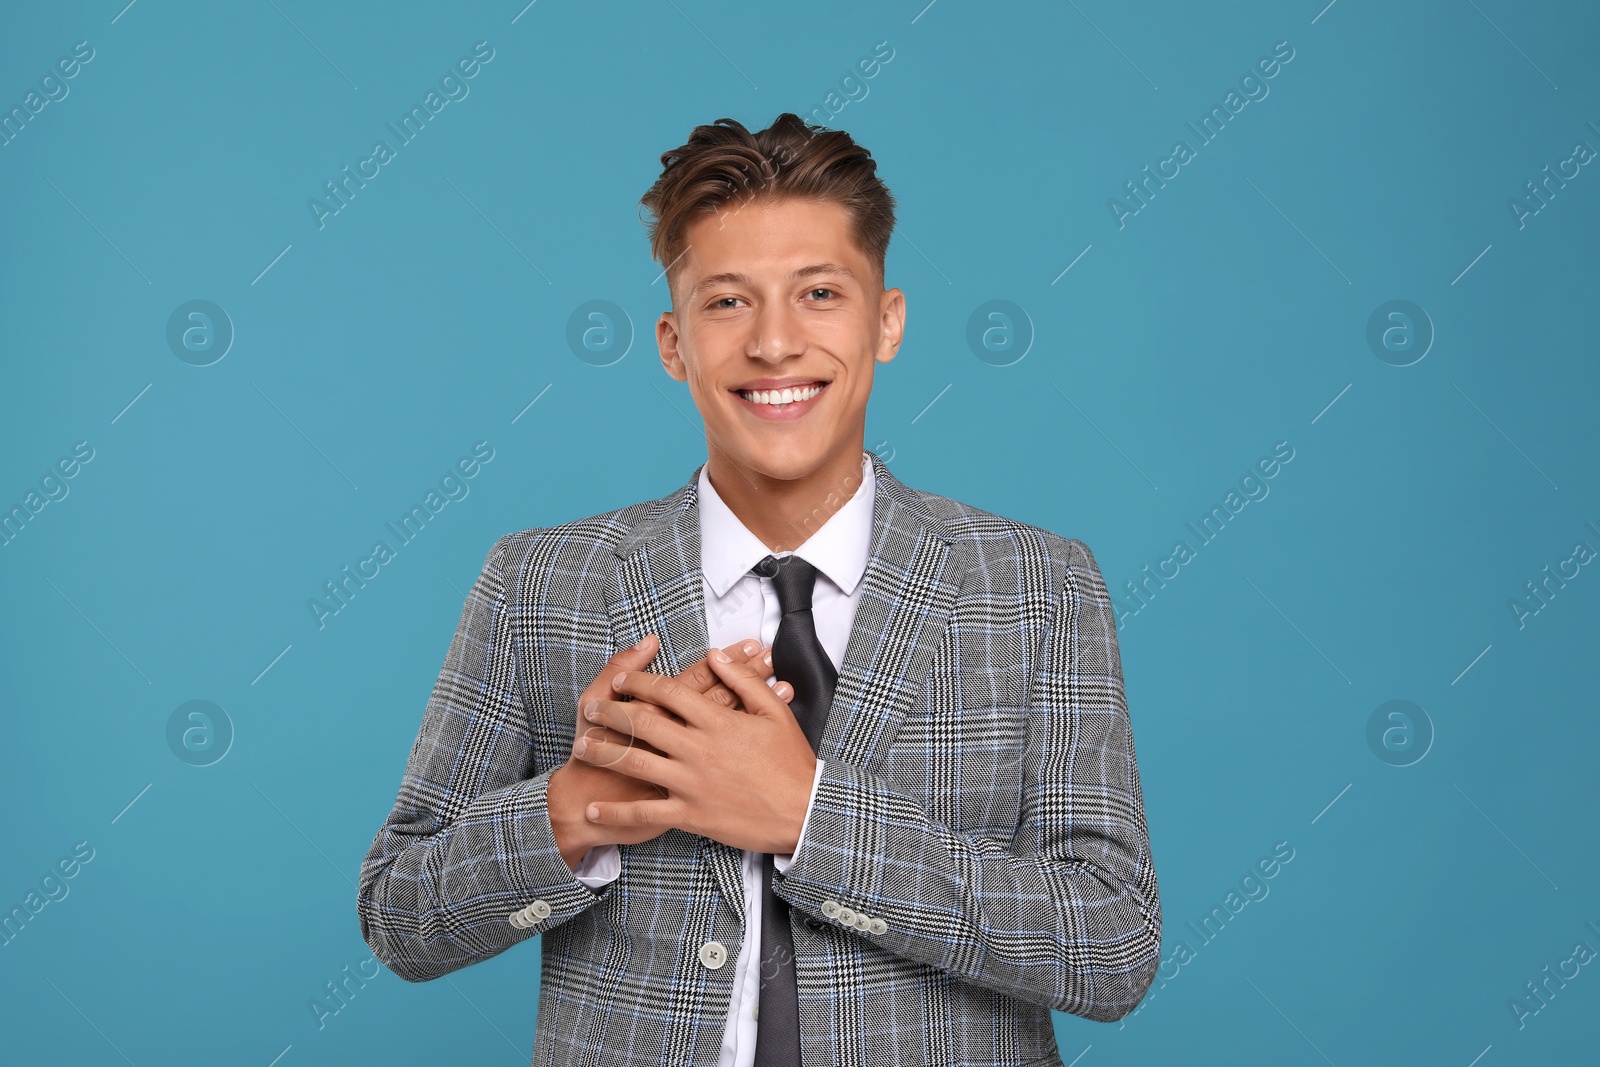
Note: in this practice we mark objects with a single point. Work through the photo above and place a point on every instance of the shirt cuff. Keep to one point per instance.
(603, 863)
(780, 863)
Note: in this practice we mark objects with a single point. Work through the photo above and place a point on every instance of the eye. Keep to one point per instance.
(718, 305)
(830, 293)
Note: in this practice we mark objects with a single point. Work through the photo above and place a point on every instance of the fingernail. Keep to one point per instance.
(591, 711)
(749, 648)
(581, 747)
(721, 656)
(593, 811)
(766, 657)
(616, 683)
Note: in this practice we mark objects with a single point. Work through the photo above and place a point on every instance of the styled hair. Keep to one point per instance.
(725, 167)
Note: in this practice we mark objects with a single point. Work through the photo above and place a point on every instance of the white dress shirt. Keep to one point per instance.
(739, 606)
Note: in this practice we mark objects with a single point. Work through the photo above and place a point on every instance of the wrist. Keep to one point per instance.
(573, 832)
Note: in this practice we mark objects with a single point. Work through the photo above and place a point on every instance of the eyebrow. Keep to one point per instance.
(735, 278)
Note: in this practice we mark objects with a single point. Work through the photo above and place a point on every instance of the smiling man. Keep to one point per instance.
(855, 780)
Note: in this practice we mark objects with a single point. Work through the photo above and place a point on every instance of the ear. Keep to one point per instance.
(892, 326)
(667, 340)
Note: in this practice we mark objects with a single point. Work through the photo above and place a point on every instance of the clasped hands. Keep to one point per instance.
(713, 751)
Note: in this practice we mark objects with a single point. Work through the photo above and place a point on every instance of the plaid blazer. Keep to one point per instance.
(976, 853)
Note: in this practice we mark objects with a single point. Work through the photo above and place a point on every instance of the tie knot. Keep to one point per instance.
(794, 579)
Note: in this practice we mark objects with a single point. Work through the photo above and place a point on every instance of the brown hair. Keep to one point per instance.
(724, 163)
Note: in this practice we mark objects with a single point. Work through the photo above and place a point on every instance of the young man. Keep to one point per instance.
(895, 821)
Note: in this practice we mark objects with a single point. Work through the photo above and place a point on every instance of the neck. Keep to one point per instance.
(783, 513)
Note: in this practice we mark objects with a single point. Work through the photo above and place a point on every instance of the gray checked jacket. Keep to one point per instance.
(976, 853)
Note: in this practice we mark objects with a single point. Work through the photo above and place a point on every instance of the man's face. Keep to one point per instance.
(775, 294)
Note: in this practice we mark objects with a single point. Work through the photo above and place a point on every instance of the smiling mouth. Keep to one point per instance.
(780, 398)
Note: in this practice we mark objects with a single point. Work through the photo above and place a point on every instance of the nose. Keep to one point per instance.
(776, 333)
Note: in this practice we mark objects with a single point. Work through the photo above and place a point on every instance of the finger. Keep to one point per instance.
(630, 759)
(751, 687)
(700, 676)
(604, 754)
(624, 659)
(729, 699)
(636, 719)
(661, 813)
(632, 658)
(608, 754)
(666, 692)
(606, 733)
(721, 693)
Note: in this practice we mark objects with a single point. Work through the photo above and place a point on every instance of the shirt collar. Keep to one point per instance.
(838, 548)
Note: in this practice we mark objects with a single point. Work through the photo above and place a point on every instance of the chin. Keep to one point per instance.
(785, 462)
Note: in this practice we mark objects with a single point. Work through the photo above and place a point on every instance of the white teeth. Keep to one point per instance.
(780, 397)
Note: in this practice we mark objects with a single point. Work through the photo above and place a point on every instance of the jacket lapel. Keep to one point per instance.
(913, 573)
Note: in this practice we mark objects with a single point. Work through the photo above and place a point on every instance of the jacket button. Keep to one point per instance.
(530, 916)
(713, 954)
(846, 917)
(862, 922)
(830, 908)
(876, 925)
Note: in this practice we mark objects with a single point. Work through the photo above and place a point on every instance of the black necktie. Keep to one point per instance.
(799, 659)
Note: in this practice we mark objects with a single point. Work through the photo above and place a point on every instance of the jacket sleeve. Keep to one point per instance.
(466, 864)
(1067, 915)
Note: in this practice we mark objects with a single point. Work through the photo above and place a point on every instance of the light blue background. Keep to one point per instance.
(1228, 315)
